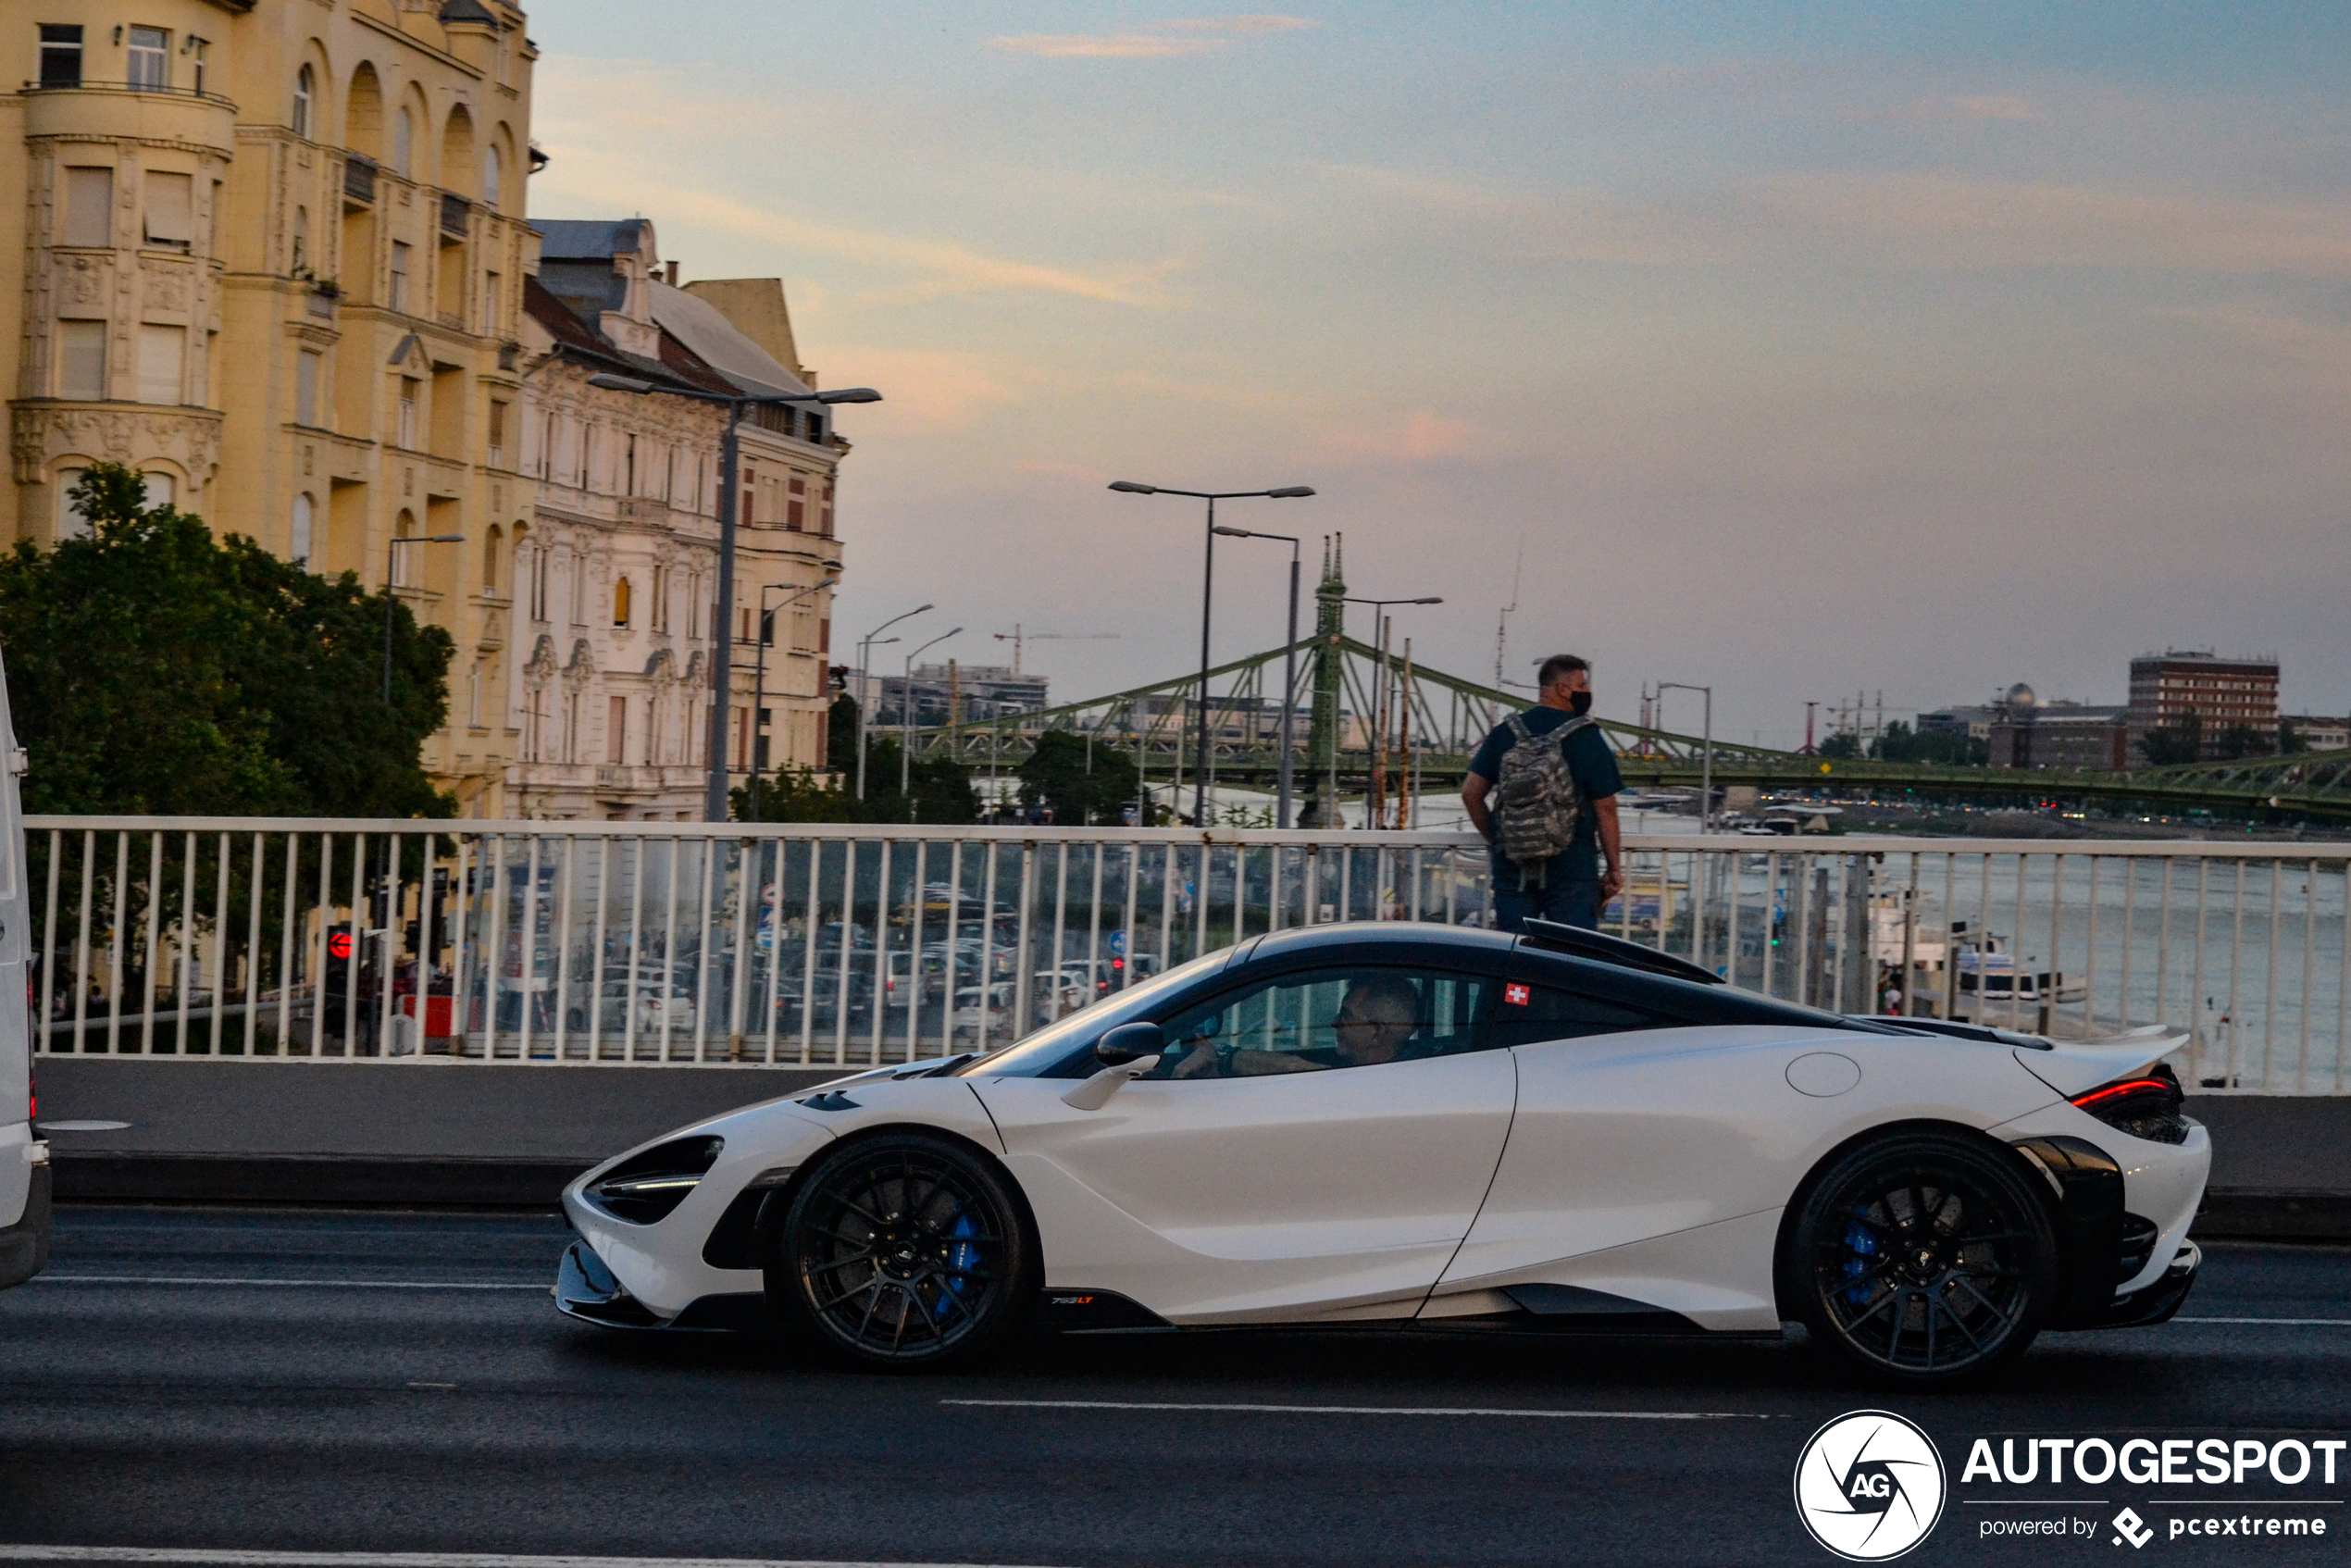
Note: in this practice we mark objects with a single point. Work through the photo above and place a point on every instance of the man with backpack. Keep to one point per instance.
(1542, 789)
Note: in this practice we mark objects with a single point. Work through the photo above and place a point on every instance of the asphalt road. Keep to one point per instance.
(138, 1410)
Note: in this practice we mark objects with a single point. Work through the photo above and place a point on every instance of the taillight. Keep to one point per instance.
(2145, 1105)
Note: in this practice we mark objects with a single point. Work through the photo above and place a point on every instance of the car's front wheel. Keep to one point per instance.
(904, 1253)
(1923, 1258)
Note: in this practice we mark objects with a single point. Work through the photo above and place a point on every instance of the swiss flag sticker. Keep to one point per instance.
(1514, 995)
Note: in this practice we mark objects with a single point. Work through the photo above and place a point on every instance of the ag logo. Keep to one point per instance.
(1869, 1486)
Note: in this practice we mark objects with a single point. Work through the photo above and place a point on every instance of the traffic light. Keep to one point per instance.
(339, 943)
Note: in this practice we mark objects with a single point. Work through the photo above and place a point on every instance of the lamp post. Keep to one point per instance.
(1706, 768)
(391, 575)
(1379, 678)
(722, 622)
(1290, 671)
(759, 682)
(1208, 584)
(906, 717)
(865, 646)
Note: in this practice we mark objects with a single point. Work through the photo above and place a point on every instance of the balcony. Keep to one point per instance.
(455, 214)
(358, 178)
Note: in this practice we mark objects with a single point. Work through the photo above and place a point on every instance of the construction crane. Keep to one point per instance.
(1017, 636)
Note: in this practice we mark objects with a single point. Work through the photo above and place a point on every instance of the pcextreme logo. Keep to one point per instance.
(1870, 1485)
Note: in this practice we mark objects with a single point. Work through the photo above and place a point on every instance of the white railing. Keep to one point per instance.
(773, 944)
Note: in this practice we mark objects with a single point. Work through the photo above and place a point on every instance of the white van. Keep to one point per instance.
(24, 1159)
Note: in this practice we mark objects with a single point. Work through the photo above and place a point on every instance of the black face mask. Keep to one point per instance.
(1579, 703)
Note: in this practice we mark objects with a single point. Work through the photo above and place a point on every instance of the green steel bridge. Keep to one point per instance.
(1350, 695)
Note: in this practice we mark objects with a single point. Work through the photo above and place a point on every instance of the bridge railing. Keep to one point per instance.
(647, 944)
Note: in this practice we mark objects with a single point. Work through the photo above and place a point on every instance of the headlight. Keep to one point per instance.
(648, 1188)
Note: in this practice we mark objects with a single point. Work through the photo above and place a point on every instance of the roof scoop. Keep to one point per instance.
(1579, 942)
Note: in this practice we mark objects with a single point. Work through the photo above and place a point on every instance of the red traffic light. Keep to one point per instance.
(339, 945)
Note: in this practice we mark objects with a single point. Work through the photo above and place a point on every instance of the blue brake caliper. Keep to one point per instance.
(964, 1255)
(1862, 1245)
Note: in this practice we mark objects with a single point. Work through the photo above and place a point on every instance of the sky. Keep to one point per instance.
(1798, 350)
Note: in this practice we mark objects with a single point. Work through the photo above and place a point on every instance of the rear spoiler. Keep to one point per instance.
(1578, 942)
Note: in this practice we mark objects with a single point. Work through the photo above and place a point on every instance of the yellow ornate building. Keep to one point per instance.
(273, 255)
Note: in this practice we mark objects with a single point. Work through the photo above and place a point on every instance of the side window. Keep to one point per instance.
(1317, 1019)
(1530, 1015)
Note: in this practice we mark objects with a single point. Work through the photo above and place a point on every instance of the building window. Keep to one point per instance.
(149, 69)
(160, 490)
(163, 360)
(491, 318)
(629, 478)
(616, 731)
(620, 607)
(587, 456)
(538, 584)
(89, 207)
(197, 61)
(578, 589)
(82, 360)
(547, 450)
(301, 240)
(796, 515)
(307, 386)
(299, 547)
(491, 168)
(816, 426)
(404, 140)
(305, 89)
(490, 559)
(170, 211)
(497, 432)
(661, 599)
(405, 435)
(399, 300)
(60, 56)
(473, 695)
(72, 522)
(571, 728)
(404, 528)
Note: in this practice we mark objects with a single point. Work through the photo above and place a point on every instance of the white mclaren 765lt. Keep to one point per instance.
(1385, 1126)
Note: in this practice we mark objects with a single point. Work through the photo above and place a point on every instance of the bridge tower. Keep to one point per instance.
(1321, 789)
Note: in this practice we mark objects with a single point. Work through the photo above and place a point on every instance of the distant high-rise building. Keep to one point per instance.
(2167, 687)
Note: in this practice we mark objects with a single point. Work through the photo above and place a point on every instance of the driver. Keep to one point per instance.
(1376, 1022)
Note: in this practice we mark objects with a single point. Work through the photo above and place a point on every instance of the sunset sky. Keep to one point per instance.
(1805, 349)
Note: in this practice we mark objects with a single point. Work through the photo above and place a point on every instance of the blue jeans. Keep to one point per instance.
(1571, 904)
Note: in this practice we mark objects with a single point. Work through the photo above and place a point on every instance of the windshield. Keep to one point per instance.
(1040, 1052)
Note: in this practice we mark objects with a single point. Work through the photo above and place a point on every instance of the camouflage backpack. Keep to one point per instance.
(1536, 804)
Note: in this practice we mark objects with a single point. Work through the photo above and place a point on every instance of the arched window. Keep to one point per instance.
(490, 171)
(304, 510)
(305, 89)
(620, 602)
(490, 558)
(404, 140)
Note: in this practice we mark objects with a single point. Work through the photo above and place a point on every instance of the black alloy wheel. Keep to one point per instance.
(904, 1253)
(1924, 1257)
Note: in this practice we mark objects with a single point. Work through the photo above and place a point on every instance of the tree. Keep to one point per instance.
(1841, 746)
(1954, 748)
(1082, 786)
(154, 670)
(2178, 742)
(2292, 742)
(2238, 741)
(939, 790)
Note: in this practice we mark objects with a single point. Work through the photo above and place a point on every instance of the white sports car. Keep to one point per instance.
(1413, 1125)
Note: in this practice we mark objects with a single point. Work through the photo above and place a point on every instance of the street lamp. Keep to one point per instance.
(729, 462)
(391, 575)
(1290, 670)
(906, 717)
(759, 683)
(1208, 584)
(1706, 769)
(865, 646)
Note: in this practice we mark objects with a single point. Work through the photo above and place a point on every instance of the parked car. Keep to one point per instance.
(1402, 1123)
(24, 1156)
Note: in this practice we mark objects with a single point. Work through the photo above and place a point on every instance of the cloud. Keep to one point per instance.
(1423, 435)
(927, 388)
(1189, 35)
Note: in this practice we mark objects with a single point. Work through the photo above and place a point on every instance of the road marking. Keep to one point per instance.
(1370, 1409)
(313, 1283)
(238, 1559)
(2296, 1322)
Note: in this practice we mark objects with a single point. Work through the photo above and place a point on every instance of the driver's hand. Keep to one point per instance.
(1201, 1064)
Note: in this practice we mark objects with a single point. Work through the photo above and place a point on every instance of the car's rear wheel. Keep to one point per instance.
(904, 1253)
(1923, 1258)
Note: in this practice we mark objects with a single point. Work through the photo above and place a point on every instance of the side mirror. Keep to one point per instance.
(1130, 1042)
(1127, 1053)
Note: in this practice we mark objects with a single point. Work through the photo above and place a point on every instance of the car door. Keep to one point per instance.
(1241, 1192)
